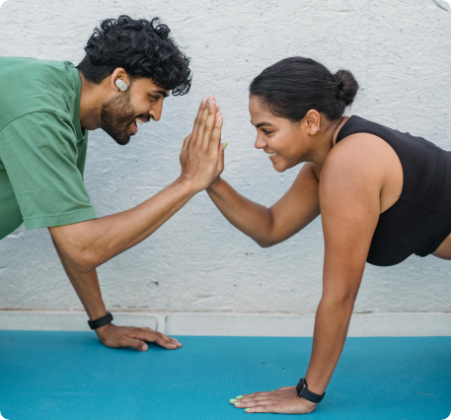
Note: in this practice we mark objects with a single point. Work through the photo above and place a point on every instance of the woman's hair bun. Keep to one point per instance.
(347, 86)
(294, 85)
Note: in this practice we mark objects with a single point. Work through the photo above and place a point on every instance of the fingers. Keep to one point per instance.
(263, 409)
(186, 142)
(198, 119)
(168, 342)
(133, 343)
(207, 123)
(215, 136)
(147, 334)
(256, 395)
(283, 400)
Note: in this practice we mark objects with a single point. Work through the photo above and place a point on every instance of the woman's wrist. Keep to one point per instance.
(315, 386)
(213, 187)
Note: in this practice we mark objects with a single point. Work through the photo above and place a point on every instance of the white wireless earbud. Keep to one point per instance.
(121, 85)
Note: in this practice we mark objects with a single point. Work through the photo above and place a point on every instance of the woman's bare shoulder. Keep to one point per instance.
(358, 158)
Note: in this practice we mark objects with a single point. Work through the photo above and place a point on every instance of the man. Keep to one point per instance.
(46, 110)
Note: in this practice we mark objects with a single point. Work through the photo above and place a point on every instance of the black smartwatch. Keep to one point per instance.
(303, 391)
(100, 322)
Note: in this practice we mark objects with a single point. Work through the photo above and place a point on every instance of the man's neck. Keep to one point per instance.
(90, 106)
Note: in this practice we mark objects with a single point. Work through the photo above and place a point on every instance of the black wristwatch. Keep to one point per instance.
(303, 391)
(100, 322)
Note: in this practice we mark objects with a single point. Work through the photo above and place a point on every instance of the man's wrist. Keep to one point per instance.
(97, 323)
(186, 186)
(103, 331)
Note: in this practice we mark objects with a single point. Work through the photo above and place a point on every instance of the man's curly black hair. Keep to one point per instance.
(143, 48)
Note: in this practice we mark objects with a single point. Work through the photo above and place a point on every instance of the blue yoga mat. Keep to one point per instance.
(71, 375)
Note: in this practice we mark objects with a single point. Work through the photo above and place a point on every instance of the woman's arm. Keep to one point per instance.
(350, 204)
(351, 183)
(269, 226)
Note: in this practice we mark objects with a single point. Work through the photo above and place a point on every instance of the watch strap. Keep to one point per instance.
(100, 322)
(303, 391)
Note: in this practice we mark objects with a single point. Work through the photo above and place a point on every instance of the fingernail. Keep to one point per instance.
(239, 396)
(246, 409)
(204, 101)
(237, 404)
(223, 148)
(144, 347)
(233, 400)
(210, 103)
(218, 117)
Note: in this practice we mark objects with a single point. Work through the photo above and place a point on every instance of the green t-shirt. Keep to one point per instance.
(42, 145)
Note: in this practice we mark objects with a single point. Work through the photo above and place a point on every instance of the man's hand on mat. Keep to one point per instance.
(283, 401)
(200, 152)
(117, 337)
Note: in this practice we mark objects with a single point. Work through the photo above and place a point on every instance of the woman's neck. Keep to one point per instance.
(327, 140)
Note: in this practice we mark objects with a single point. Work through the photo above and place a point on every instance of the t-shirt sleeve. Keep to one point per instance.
(44, 164)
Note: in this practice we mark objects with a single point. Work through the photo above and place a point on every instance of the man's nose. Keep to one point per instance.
(156, 111)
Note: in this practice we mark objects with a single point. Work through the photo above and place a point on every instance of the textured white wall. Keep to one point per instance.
(400, 52)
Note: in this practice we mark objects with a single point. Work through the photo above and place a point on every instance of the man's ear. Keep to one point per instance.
(119, 80)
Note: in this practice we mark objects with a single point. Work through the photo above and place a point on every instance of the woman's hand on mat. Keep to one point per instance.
(200, 152)
(283, 401)
(117, 337)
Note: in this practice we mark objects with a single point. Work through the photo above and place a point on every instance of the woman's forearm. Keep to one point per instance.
(331, 327)
(247, 216)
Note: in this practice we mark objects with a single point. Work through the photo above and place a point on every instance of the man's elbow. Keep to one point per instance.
(84, 261)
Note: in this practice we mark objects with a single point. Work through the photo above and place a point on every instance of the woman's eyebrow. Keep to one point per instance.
(260, 124)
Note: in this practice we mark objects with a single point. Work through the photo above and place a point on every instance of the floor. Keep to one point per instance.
(70, 375)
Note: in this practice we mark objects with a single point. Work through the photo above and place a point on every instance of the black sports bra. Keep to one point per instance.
(421, 219)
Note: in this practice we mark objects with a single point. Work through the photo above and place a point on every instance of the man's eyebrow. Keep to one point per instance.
(163, 93)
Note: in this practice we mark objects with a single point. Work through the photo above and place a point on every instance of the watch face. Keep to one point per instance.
(300, 386)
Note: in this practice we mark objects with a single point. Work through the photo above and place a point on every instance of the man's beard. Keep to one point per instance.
(116, 118)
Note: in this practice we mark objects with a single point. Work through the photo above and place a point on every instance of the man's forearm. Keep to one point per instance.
(89, 244)
(86, 286)
(331, 327)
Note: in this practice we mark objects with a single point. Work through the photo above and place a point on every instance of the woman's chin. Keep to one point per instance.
(278, 167)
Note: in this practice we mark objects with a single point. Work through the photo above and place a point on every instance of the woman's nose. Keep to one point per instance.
(259, 143)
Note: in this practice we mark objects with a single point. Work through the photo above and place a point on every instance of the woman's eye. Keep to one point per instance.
(267, 132)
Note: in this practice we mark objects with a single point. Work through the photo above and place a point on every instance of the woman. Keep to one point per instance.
(383, 195)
